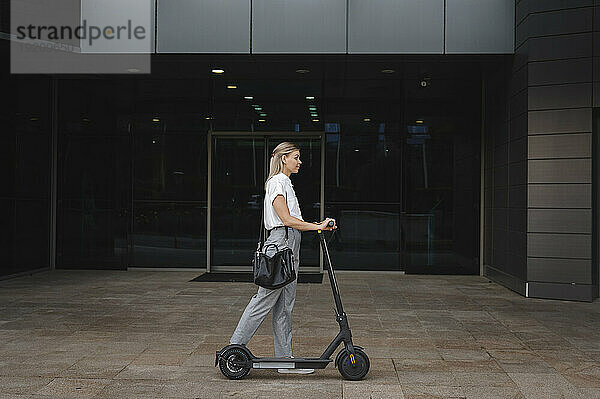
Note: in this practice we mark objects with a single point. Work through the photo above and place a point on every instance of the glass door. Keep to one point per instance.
(238, 167)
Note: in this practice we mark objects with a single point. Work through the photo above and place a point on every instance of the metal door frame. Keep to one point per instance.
(264, 136)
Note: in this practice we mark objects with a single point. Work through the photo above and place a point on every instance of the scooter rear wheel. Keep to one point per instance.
(356, 371)
(230, 370)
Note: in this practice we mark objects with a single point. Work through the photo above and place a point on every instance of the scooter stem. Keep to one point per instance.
(332, 280)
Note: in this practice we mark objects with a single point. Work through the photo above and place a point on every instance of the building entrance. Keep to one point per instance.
(238, 167)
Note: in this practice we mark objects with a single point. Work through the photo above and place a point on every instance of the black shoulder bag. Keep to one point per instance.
(276, 271)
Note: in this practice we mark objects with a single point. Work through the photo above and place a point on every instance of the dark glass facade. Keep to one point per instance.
(399, 137)
(25, 155)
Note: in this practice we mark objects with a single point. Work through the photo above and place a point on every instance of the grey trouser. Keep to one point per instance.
(280, 300)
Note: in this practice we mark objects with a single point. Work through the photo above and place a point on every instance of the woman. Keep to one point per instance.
(281, 212)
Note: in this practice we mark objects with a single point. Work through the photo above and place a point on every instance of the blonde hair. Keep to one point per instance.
(276, 164)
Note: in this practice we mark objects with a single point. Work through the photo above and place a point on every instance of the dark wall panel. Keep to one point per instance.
(560, 171)
(560, 72)
(559, 221)
(559, 195)
(560, 146)
(576, 246)
(559, 47)
(555, 23)
(559, 270)
(564, 96)
(560, 121)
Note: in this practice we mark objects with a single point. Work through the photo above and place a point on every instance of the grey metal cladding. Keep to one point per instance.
(392, 26)
(560, 121)
(559, 196)
(307, 26)
(560, 146)
(575, 246)
(559, 270)
(560, 171)
(207, 26)
(577, 95)
(559, 221)
(560, 72)
(475, 26)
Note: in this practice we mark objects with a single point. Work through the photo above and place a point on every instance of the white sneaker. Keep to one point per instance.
(296, 371)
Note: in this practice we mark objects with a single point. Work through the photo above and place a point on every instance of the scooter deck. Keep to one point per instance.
(295, 363)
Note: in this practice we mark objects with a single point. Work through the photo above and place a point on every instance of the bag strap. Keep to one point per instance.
(262, 226)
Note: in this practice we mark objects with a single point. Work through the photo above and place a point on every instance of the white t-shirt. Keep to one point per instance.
(279, 185)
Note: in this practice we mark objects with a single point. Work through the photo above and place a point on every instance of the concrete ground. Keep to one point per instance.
(138, 334)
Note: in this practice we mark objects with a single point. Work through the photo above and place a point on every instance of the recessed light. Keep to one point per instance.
(312, 108)
(218, 71)
(231, 86)
(34, 118)
(262, 120)
(208, 118)
(258, 108)
(314, 115)
(315, 120)
(419, 121)
(367, 120)
(155, 120)
(388, 71)
(255, 105)
(310, 97)
(356, 150)
(263, 114)
(302, 70)
(248, 98)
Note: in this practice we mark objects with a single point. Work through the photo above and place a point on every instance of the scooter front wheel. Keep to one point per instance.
(356, 371)
(228, 366)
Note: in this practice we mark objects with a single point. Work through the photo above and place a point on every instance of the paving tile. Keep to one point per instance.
(73, 388)
(359, 390)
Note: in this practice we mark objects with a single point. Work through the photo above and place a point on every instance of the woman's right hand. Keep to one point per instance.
(324, 224)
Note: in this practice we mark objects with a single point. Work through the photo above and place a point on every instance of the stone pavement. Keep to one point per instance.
(145, 334)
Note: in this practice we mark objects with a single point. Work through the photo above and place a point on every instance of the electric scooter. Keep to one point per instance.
(235, 361)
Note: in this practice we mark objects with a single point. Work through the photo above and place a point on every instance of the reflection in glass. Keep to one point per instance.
(363, 193)
(169, 235)
(238, 172)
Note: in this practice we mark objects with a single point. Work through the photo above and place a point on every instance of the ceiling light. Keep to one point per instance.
(248, 98)
(263, 114)
(315, 120)
(208, 118)
(258, 108)
(310, 97)
(155, 120)
(218, 71)
(356, 150)
(367, 120)
(312, 108)
(387, 71)
(314, 115)
(419, 121)
(262, 120)
(133, 70)
(302, 70)
(34, 118)
(231, 86)
(255, 105)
